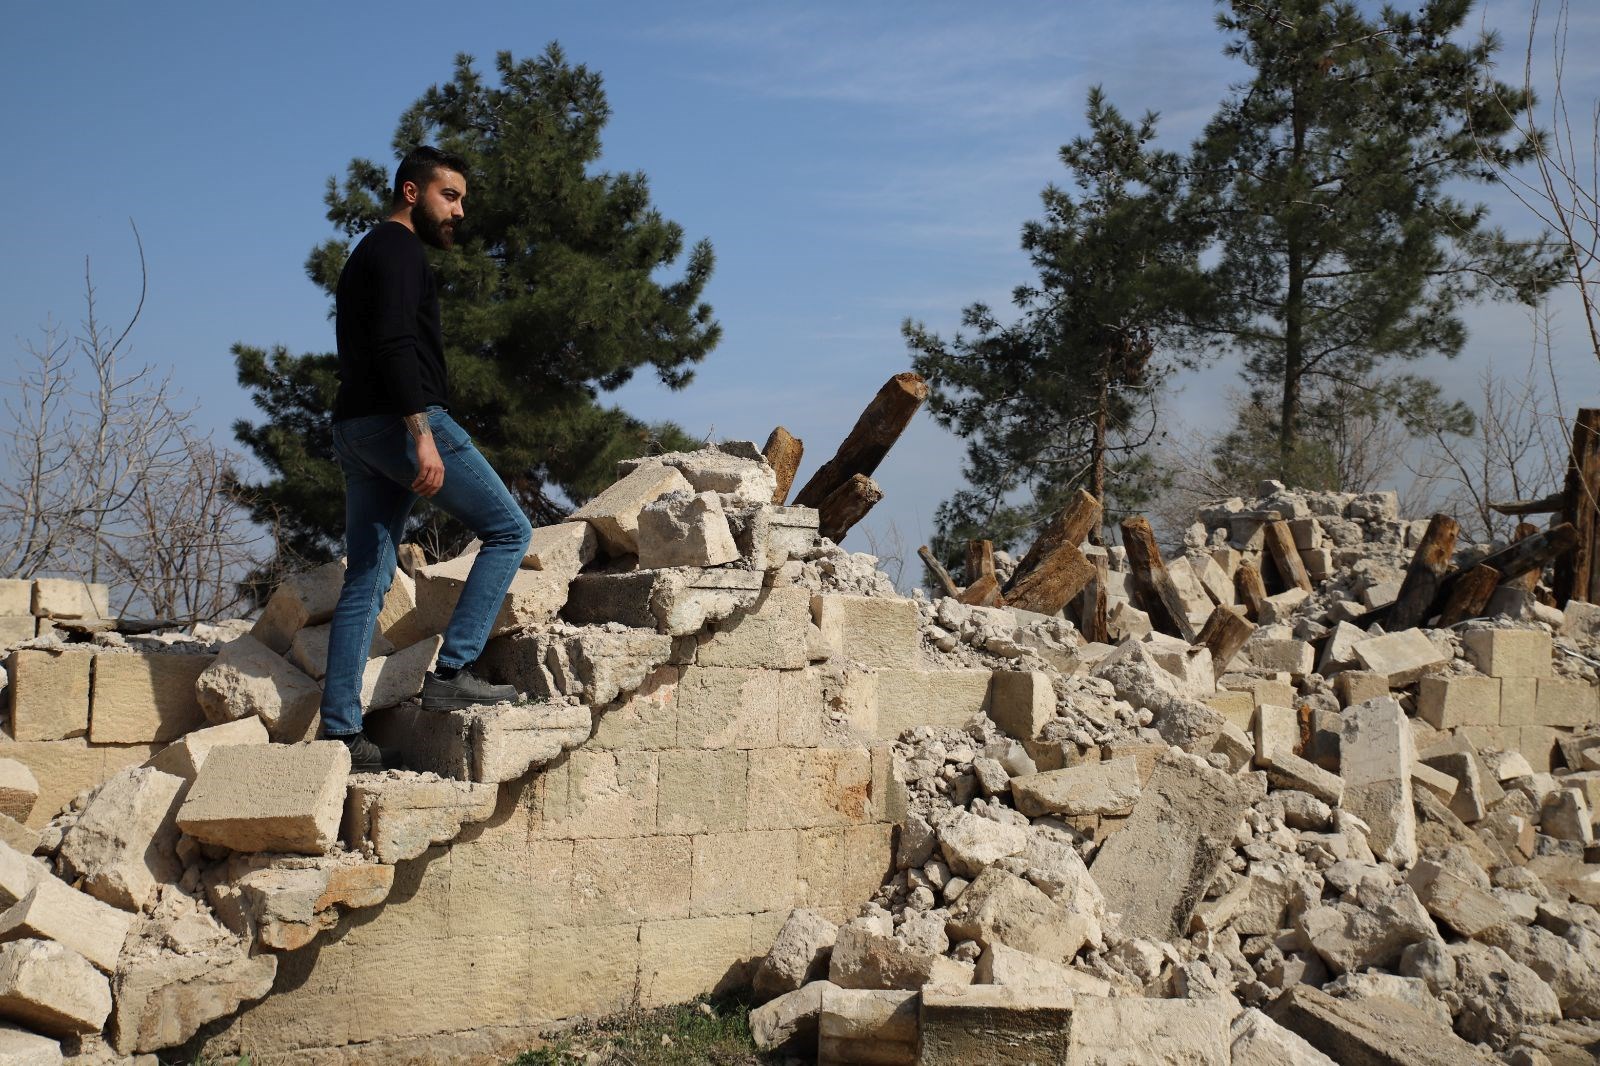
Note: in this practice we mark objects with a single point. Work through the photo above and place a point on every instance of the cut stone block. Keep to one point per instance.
(1260, 1041)
(1376, 751)
(867, 958)
(301, 600)
(19, 790)
(123, 844)
(1351, 938)
(884, 705)
(1021, 702)
(1564, 702)
(1001, 908)
(970, 842)
(686, 530)
(990, 1023)
(16, 597)
(14, 631)
(1456, 902)
(53, 910)
(1132, 1030)
(882, 633)
(19, 872)
(52, 989)
(1276, 732)
(163, 1000)
(1092, 788)
(398, 621)
(1509, 652)
(614, 513)
(18, 1047)
(248, 678)
(1359, 686)
(494, 744)
(799, 954)
(1379, 1031)
(729, 469)
(1288, 770)
(279, 797)
(1002, 965)
(534, 598)
(143, 697)
(1339, 652)
(1401, 657)
(769, 536)
(1295, 657)
(49, 694)
(1447, 702)
(860, 1025)
(1156, 867)
(309, 649)
(772, 634)
(184, 757)
(564, 548)
(790, 1020)
(396, 678)
(55, 597)
(395, 819)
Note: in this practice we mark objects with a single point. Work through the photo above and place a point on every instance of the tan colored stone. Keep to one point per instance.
(1447, 702)
(564, 548)
(65, 768)
(142, 697)
(534, 598)
(702, 791)
(892, 701)
(1021, 702)
(1561, 701)
(688, 957)
(720, 707)
(1093, 788)
(601, 794)
(1133, 1031)
(184, 757)
(800, 788)
(122, 845)
(843, 867)
(19, 790)
(396, 678)
(308, 651)
(876, 632)
(57, 597)
(301, 600)
(49, 694)
(50, 988)
(1401, 657)
(53, 910)
(249, 678)
(630, 880)
(614, 513)
(741, 873)
(276, 797)
(16, 597)
(163, 1000)
(644, 720)
(771, 634)
(1509, 652)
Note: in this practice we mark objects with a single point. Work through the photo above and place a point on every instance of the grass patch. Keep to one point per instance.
(691, 1034)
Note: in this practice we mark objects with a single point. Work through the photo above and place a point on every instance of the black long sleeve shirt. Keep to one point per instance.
(391, 350)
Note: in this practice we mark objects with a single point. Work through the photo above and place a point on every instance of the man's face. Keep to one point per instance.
(437, 208)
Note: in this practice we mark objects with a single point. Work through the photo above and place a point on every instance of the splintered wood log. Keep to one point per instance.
(984, 592)
(783, 452)
(1092, 604)
(980, 559)
(1514, 560)
(1285, 556)
(1225, 632)
(1251, 589)
(1054, 582)
(1154, 592)
(1469, 597)
(847, 505)
(1429, 565)
(940, 574)
(1070, 525)
(1578, 576)
(1530, 580)
(875, 432)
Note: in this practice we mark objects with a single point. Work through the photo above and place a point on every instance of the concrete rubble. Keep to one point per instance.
(1341, 844)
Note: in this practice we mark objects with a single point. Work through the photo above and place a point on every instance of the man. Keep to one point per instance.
(395, 441)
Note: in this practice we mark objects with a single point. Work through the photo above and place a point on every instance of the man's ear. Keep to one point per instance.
(410, 192)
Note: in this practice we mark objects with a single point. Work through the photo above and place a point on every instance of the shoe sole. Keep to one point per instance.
(459, 703)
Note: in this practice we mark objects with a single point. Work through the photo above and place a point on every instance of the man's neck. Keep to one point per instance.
(403, 216)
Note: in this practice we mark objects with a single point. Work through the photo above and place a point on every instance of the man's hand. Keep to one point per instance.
(430, 468)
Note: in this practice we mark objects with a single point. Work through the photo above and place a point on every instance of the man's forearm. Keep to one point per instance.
(417, 425)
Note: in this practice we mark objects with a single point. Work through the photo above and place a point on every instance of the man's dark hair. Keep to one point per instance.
(421, 163)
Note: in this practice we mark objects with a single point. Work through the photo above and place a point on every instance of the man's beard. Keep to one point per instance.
(437, 232)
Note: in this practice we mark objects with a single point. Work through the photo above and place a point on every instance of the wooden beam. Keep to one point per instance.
(1154, 592)
(1514, 560)
(783, 452)
(1469, 595)
(1429, 564)
(1285, 556)
(1251, 589)
(874, 433)
(940, 574)
(847, 505)
(1070, 525)
(1554, 503)
(984, 592)
(1092, 604)
(980, 559)
(1054, 582)
(1530, 580)
(1225, 632)
(1577, 577)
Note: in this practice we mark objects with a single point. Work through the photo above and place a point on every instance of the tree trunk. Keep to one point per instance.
(1097, 468)
(1293, 305)
(1092, 605)
(1251, 589)
(783, 452)
(874, 433)
(1577, 577)
(847, 505)
(980, 560)
(1469, 597)
(1053, 583)
(1429, 565)
(1070, 525)
(1285, 556)
(984, 592)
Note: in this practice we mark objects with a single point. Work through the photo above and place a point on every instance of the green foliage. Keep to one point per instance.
(552, 295)
(695, 1034)
(1341, 248)
(1064, 396)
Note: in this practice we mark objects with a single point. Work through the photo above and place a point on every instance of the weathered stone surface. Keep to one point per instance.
(140, 697)
(771, 634)
(278, 797)
(1381, 1032)
(284, 905)
(1092, 788)
(685, 530)
(52, 989)
(876, 632)
(184, 757)
(396, 818)
(18, 1047)
(770, 536)
(885, 704)
(1400, 658)
(1447, 702)
(865, 958)
(1002, 965)
(564, 548)
(790, 1020)
(534, 598)
(867, 1026)
(1155, 869)
(1134, 1031)
(16, 597)
(49, 693)
(1139, 679)
(1499, 995)
(1257, 1040)
(19, 872)
(1351, 938)
(1021, 702)
(19, 790)
(122, 846)
(1564, 702)
(1376, 750)
(1000, 907)
(717, 469)
(970, 843)
(1509, 652)
(53, 910)
(249, 678)
(301, 600)
(393, 679)
(163, 1000)
(799, 954)
(614, 513)
(58, 597)
(1288, 770)
(961, 1026)
(308, 651)
(65, 768)
(1455, 901)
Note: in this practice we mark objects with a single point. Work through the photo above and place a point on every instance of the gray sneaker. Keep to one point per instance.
(466, 689)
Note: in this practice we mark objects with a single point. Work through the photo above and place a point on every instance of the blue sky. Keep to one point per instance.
(852, 164)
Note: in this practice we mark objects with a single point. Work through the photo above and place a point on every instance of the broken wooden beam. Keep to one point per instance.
(1070, 525)
(1224, 633)
(874, 433)
(1469, 596)
(1285, 556)
(1430, 563)
(783, 452)
(980, 559)
(1092, 606)
(947, 586)
(1529, 581)
(1512, 561)
(1251, 589)
(984, 592)
(1154, 592)
(1578, 576)
(1053, 583)
(1551, 504)
(847, 505)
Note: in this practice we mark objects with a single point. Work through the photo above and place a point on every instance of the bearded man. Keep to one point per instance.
(396, 442)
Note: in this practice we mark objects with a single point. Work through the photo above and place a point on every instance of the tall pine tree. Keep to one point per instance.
(1064, 396)
(550, 297)
(1342, 248)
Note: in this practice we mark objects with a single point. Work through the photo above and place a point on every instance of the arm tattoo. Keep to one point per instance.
(417, 425)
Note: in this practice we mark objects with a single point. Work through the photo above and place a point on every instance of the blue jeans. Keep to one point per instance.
(379, 460)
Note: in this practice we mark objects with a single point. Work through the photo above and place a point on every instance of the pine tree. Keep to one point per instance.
(1342, 248)
(1064, 396)
(550, 297)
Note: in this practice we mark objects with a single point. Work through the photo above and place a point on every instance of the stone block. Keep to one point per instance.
(1509, 652)
(53, 910)
(1021, 702)
(1156, 867)
(1000, 907)
(16, 597)
(644, 720)
(1359, 686)
(300, 600)
(770, 536)
(804, 708)
(790, 1020)
(702, 791)
(57, 597)
(1130, 1031)
(309, 649)
(732, 468)
(1455, 901)
(1376, 752)
(163, 1000)
(843, 867)
(564, 548)
(858, 1025)
(1092, 788)
(398, 622)
(49, 693)
(803, 788)
(893, 701)
(184, 756)
(534, 598)
(799, 953)
(1288, 770)
(879, 632)
(1295, 657)
(1257, 1040)
(864, 957)
(614, 513)
(50, 988)
(1401, 657)
(630, 880)
(601, 794)
(1237, 708)
(1002, 965)
(685, 530)
(277, 797)
(1447, 702)
(14, 631)
(990, 1023)
(1351, 938)
(249, 678)
(1441, 784)
(683, 958)
(395, 819)
(1278, 609)
(722, 707)
(19, 1047)
(771, 634)
(19, 790)
(1379, 1030)
(1558, 702)
(19, 873)
(65, 768)
(122, 846)
(141, 697)
(970, 843)
(393, 679)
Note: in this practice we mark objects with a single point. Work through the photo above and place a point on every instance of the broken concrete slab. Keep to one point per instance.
(123, 845)
(52, 989)
(279, 797)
